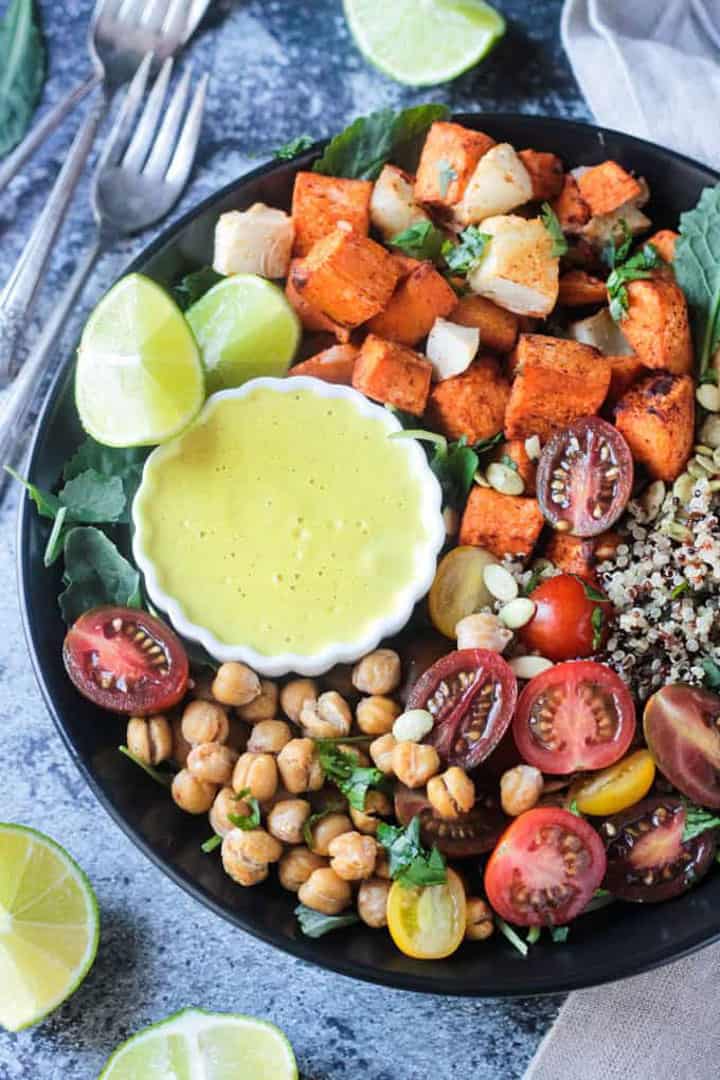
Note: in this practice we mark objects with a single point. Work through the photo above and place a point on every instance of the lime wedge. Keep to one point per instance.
(424, 42)
(245, 328)
(49, 926)
(198, 1045)
(139, 377)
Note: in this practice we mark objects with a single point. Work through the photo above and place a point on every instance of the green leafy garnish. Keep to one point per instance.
(421, 241)
(513, 937)
(490, 443)
(597, 620)
(346, 773)
(454, 464)
(211, 844)
(193, 286)
(293, 148)
(640, 265)
(463, 257)
(246, 821)
(310, 825)
(56, 539)
(614, 253)
(446, 175)
(573, 808)
(550, 221)
(712, 672)
(163, 778)
(697, 821)
(533, 582)
(533, 935)
(362, 149)
(110, 462)
(23, 74)
(95, 574)
(590, 591)
(314, 924)
(47, 504)
(697, 270)
(93, 499)
(559, 934)
(409, 862)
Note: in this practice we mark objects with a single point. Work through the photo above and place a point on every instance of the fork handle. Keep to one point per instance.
(45, 127)
(17, 296)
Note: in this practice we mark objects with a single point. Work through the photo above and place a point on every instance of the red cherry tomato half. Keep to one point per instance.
(471, 694)
(574, 716)
(468, 835)
(126, 661)
(571, 619)
(545, 868)
(584, 477)
(681, 728)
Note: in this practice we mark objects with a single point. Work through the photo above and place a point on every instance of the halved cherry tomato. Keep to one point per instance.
(427, 923)
(417, 655)
(468, 835)
(647, 859)
(459, 588)
(614, 789)
(545, 868)
(571, 619)
(574, 717)
(471, 693)
(126, 661)
(585, 476)
(681, 728)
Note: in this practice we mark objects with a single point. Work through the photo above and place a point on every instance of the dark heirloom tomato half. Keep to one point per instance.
(468, 835)
(545, 868)
(471, 694)
(575, 716)
(584, 477)
(571, 619)
(682, 728)
(647, 859)
(126, 661)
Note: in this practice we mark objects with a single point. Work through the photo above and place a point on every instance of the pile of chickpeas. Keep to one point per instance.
(240, 733)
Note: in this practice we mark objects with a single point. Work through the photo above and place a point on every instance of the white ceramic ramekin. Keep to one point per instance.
(340, 652)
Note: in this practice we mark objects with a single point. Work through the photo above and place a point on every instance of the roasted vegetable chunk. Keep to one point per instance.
(664, 242)
(420, 298)
(518, 269)
(624, 373)
(657, 418)
(546, 173)
(393, 374)
(607, 186)
(656, 325)
(498, 327)
(320, 202)
(472, 404)
(504, 524)
(392, 207)
(572, 211)
(578, 288)
(334, 365)
(574, 555)
(447, 162)
(515, 451)
(310, 316)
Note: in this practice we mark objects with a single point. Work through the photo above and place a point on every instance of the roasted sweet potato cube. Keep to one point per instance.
(334, 365)
(471, 404)
(498, 327)
(607, 186)
(447, 162)
(393, 374)
(656, 324)
(624, 372)
(504, 524)
(572, 211)
(657, 418)
(575, 556)
(422, 297)
(524, 465)
(311, 317)
(664, 242)
(578, 288)
(347, 277)
(546, 172)
(320, 202)
(556, 382)
(405, 264)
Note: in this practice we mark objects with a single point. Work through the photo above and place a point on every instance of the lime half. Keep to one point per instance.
(198, 1045)
(139, 377)
(245, 328)
(424, 42)
(49, 926)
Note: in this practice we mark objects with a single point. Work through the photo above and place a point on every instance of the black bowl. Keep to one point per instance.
(618, 941)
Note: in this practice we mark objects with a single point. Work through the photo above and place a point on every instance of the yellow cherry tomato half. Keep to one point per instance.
(459, 588)
(617, 787)
(427, 923)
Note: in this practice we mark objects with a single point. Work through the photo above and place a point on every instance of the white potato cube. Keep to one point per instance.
(392, 206)
(451, 348)
(603, 332)
(500, 183)
(256, 241)
(518, 271)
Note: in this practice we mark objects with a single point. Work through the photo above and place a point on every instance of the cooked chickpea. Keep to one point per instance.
(378, 673)
(452, 793)
(245, 855)
(414, 763)
(262, 707)
(296, 866)
(326, 892)
(192, 795)
(328, 829)
(381, 751)
(376, 715)
(294, 695)
(520, 789)
(377, 806)
(328, 717)
(257, 773)
(479, 923)
(235, 684)
(353, 855)
(212, 762)
(269, 737)
(180, 747)
(150, 738)
(299, 766)
(372, 902)
(226, 803)
(286, 819)
(205, 721)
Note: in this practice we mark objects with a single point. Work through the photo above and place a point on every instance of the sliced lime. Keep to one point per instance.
(49, 926)
(424, 42)
(199, 1045)
(245, 328)
(139, 377)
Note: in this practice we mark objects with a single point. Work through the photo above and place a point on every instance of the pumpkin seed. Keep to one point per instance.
(517, 613)
(527, 667)
(500, 582)
(504, 479)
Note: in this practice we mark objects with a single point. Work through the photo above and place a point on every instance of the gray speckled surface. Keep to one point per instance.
(278, 67)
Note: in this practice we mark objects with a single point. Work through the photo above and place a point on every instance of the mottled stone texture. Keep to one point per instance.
(279, 67)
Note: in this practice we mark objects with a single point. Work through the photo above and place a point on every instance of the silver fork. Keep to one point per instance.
(122, 31)
(143, 169)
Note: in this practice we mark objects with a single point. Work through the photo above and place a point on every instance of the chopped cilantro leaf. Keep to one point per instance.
(421, 241)
(211, 844)
(597, 620)
(640, 265)
(446, 175)
(246, 821)
(409, 862)
(314, 924)
(463, 257)
(551, 223)
(345, 772)
(697, 821)
(293, 148)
